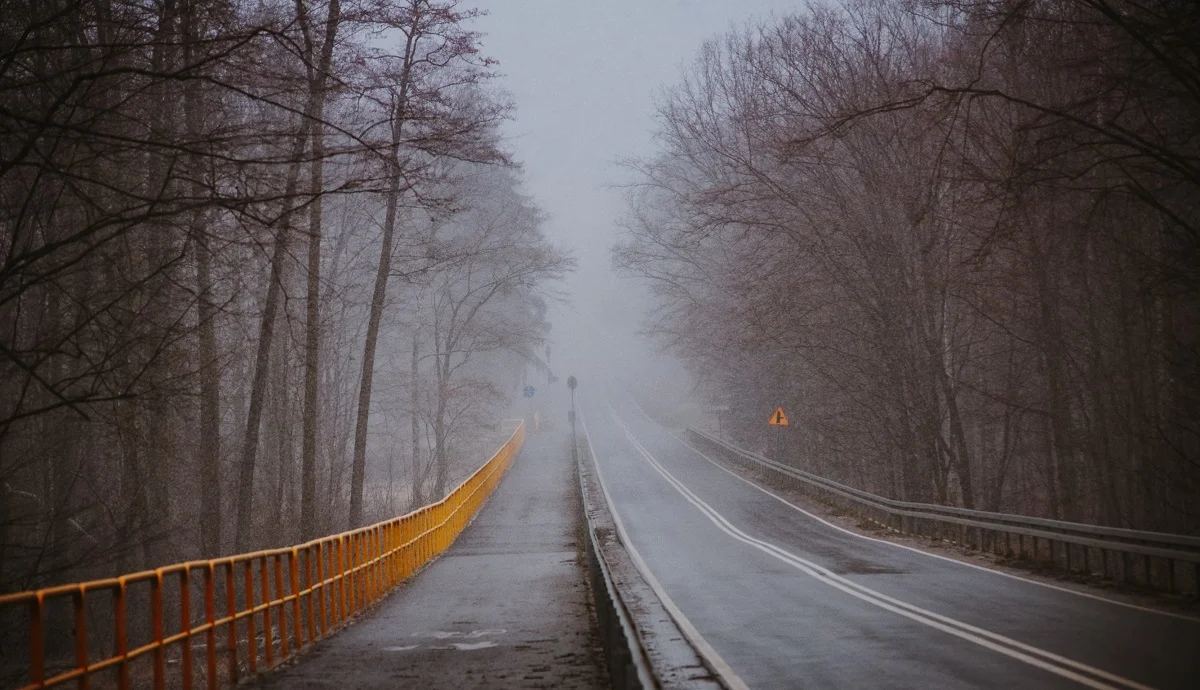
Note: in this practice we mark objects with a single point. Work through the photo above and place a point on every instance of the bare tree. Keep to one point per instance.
(955, 246)
(428, 120)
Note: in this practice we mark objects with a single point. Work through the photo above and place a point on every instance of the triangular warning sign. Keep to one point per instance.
(778, 418)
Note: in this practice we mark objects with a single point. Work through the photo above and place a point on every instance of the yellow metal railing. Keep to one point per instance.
(293, 596)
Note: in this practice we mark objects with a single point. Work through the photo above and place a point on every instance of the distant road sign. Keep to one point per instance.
(778, 418)
(529, 391)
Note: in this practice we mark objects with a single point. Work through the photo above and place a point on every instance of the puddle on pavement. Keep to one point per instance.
(450, 635)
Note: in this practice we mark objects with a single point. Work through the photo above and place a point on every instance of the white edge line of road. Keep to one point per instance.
(1048, 661)
(718, 665)
(940, 557)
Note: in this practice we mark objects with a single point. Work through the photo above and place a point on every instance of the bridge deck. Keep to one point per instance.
(506, 606)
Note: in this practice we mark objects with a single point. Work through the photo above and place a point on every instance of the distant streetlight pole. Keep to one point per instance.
(571, 384)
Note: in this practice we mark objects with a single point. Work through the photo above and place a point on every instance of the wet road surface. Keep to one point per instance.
(788, 601)
(505, 607)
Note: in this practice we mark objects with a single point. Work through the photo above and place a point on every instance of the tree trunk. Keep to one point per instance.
(378, 299)
(312, 340)
(283, 441)
(210, 405)
(262, 358)
(441, 457)
(418, 495)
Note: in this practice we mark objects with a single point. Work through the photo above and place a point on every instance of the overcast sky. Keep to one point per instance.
(583, 75)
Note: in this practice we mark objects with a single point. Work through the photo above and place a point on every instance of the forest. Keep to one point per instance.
(267, 272)
(957, 240)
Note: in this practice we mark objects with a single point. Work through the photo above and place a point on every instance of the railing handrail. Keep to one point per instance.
(232, 559)
(1123, 537)
(341, 574)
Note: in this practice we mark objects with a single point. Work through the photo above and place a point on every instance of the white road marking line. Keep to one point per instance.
(714, 660)
(445, 635)
(994, 641)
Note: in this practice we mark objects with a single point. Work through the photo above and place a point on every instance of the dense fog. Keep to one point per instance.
(271, 271)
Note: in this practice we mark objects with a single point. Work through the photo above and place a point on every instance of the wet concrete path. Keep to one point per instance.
(506, 607)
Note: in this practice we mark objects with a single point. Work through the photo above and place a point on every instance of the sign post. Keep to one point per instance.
(779, 419)
(571, 384)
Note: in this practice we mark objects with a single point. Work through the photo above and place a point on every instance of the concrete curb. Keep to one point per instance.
(643, 646)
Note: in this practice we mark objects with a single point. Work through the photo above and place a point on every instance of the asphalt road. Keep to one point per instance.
(788, 601)
(505, 607)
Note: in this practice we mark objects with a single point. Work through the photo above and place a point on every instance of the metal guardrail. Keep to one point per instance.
(1122, 554)
(297, 595)
(628, 666)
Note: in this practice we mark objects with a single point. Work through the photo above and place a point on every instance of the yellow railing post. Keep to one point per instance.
(281, 597)
(156, 623)
(210, 619)
(185, 626)
(294, 582)
(251, 632)
(81, 636)
(119, 636)
(230, 611)
(319, 586)
(264, 582)
(341, 575)
(37, 641)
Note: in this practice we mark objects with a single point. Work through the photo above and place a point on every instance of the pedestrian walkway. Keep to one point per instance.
(506, 607)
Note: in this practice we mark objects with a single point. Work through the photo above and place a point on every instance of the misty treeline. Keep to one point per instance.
(266, 273)
(955, 240)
